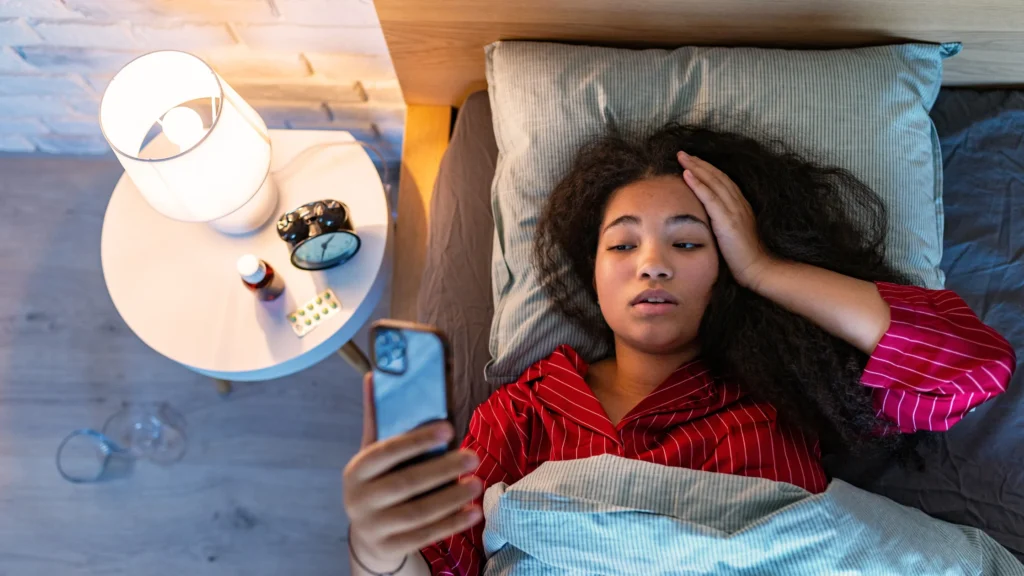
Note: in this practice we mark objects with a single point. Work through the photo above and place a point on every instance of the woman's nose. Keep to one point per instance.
(654, 266)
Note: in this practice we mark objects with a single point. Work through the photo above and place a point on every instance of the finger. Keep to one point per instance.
(369, 414)
(419, 538)
(730, 193)
(382, 456)
(415, 480)
(429, 509)
(706, 171)
(707, 196)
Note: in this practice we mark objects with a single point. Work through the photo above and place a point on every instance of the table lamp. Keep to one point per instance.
(194, 149)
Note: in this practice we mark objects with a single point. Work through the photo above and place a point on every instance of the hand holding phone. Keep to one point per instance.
(401, 491)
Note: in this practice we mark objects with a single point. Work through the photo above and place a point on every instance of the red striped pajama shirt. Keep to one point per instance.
(935, 363)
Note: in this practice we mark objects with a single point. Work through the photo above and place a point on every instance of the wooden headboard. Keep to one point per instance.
(437, 45)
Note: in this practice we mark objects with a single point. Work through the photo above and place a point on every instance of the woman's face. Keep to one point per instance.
(656, 264)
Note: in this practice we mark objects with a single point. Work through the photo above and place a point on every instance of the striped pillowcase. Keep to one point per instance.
(862, 109)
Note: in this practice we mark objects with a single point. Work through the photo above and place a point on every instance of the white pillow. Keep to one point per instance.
(865, 110)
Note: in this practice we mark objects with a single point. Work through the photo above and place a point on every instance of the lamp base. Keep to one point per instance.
(253, 214)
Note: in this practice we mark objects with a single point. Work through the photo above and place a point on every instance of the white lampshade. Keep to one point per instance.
(194, 149)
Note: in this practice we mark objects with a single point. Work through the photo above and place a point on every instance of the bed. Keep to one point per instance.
(975, 476)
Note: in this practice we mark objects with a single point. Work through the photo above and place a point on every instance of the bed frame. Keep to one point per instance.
(437, 50)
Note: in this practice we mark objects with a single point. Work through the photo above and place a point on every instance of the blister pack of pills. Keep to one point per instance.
(313, 312)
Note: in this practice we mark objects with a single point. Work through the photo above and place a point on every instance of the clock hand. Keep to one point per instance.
(323, 253)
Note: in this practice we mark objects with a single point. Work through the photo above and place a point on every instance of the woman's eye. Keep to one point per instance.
(687, 245)
(622, 247)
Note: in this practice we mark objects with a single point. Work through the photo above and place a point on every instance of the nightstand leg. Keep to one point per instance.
(223, 386)
(355, 357)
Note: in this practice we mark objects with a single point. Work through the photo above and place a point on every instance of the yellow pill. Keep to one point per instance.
(319, 300)
(316, 316)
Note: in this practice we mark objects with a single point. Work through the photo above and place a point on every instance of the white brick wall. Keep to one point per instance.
(22, 126)
(116, 35)
(32, 106)
(44, 84)
(35, 9)
(288, 37)
(188, 37)
(301, 63)
(242, 62)
(328, 12)
(11, 61)
(19, 32)
(352, 67)
(15, 143)
(177, 10)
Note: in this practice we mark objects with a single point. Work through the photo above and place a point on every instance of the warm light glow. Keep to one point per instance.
(183, 126)
(200, 169)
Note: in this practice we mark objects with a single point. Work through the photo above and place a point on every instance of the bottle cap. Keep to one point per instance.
(252, 269)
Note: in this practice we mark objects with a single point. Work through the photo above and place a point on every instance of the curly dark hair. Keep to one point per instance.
(806, 212)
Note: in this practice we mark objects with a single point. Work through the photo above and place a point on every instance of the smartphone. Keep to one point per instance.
(411, 388)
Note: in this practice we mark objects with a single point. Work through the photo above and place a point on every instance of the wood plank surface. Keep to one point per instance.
(437, 45)
(427, 129)
(257, 493)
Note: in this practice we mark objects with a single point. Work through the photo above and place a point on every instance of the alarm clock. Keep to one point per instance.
(320, 234)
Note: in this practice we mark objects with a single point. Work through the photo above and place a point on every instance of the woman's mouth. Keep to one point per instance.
(654, 308)
(654, 302)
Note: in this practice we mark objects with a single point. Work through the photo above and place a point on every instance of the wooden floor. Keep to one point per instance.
(259, 491)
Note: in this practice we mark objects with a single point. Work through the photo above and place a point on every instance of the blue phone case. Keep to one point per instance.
(410, 386)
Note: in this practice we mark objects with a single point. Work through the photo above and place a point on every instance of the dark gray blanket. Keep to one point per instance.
(975, 476)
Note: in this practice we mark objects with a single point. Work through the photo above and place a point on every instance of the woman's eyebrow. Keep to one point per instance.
(624, 219)
(686, 218)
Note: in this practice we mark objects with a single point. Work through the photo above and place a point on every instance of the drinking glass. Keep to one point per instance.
(87, 456)
(152, 430)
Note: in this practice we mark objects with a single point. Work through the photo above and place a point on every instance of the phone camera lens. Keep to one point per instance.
(389, 349)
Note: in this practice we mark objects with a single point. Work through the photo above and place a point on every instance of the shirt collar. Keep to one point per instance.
(559, 382)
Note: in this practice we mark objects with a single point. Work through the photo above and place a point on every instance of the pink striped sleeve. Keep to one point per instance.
(497, 435)
(936, 362)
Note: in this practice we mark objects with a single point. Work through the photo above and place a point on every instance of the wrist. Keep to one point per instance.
(755, 275)
(368, 559)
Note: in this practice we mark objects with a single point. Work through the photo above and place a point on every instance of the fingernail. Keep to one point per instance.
(683, 154)
(443, 432)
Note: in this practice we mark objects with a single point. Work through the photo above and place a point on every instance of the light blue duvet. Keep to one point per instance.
(612, 515)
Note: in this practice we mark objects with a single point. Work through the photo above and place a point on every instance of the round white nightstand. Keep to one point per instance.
(175, 283)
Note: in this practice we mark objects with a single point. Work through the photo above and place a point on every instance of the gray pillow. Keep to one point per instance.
(862, 109)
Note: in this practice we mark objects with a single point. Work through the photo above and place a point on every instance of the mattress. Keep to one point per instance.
(455, 290)
(975, 473)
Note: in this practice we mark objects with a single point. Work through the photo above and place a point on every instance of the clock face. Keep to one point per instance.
(325, 250)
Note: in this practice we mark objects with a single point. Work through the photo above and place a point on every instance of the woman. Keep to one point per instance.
(753, 320)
